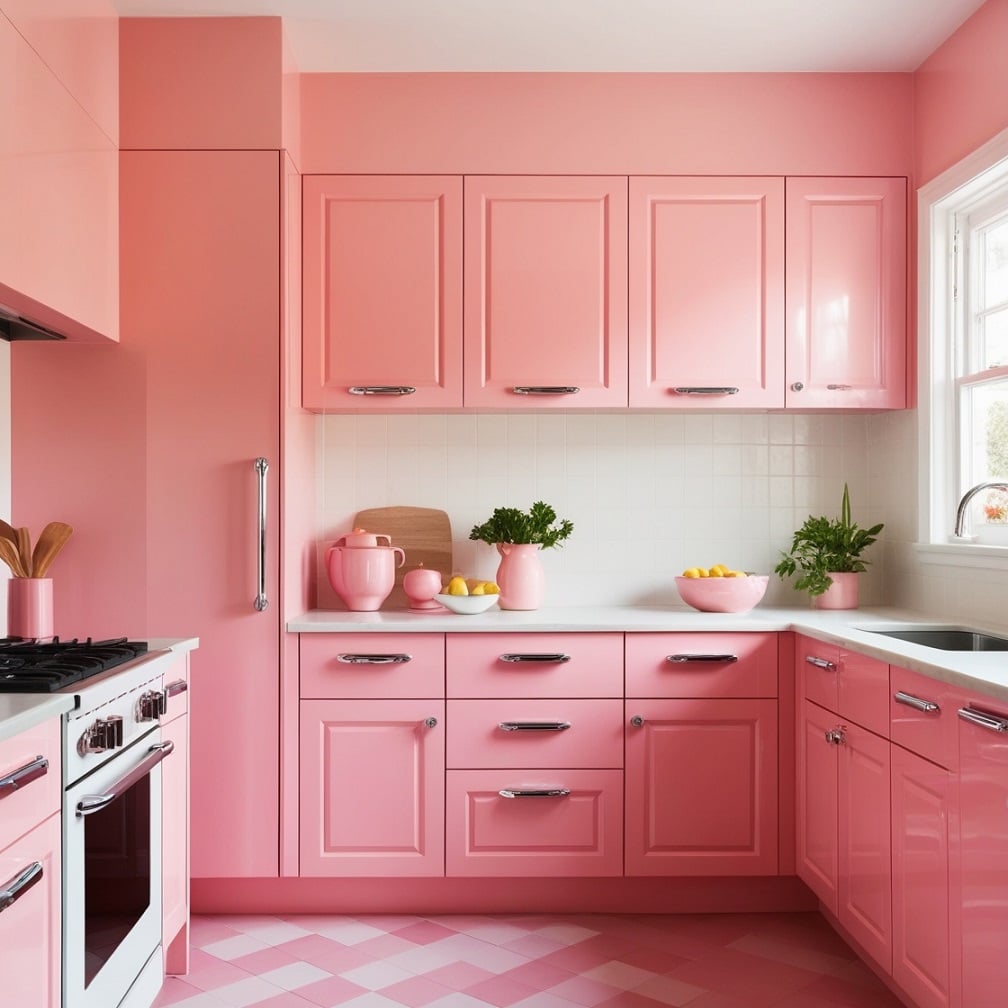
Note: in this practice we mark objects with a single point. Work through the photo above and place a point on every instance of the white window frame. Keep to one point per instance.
(964, 184)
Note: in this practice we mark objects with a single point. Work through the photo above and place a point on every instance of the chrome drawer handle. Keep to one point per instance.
(381, 390)
(545, 389)
(839, 388)
(374, 659)
(553, 659)
(705, 390)
(20, 884)
(989, 721)
(820, 663)
(836, 737)
(510, 726)
(174, 688)
(561, 792)
(681, 659)
(908, 700)
(17, 779)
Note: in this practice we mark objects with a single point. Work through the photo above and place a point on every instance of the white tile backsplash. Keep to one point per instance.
(649, 493)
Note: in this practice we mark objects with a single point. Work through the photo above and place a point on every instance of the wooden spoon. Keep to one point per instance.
(11, 557)
(8, 532)
(53, 538)
(24, 549)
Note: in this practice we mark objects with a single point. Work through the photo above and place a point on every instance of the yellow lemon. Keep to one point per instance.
(691, 572)
(736, 574)
(718, 570)
(457, 586)
(489, 588)
(703, 572)
(477, 589)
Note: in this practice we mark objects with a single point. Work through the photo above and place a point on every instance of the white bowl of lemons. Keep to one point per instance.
(467, 597)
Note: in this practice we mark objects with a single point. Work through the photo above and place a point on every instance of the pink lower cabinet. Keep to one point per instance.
(701, 787)
(372, 787)
(983, 820)
(534, 822)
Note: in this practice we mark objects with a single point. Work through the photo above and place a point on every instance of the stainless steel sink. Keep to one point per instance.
(947, 638)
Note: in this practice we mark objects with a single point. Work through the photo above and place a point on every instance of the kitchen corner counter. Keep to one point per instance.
(984, 671)
(21, 711)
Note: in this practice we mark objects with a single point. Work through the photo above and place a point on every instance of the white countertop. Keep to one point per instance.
(984, 671)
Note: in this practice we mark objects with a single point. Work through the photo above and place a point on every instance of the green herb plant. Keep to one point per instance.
(823, 545)
(537, 526)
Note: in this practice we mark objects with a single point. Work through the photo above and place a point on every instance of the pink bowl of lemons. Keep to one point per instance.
(721, 589)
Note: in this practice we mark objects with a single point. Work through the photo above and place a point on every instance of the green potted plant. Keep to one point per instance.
(518, 537)
(826, 555)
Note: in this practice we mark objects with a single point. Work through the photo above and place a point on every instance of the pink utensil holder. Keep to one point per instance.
(30, 608)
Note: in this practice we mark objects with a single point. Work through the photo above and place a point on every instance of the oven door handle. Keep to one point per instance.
(90, 804)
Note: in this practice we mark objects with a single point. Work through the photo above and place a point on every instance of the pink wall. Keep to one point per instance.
(961, 92)
(845, 124)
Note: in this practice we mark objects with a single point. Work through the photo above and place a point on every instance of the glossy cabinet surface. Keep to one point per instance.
(817, 799)
(846, 293)
(545, 291)
(372, 787)
(31, 764)
(382, 292)
(983, 818)
(706, 292)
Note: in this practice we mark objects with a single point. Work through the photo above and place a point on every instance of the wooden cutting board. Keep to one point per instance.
(423, 533)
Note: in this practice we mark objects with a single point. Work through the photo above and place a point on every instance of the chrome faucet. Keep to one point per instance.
(968, 496)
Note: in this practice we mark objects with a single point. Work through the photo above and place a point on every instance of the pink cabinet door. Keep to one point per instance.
(707, 292)
(846, 326)
(372, 787)
(553, 823)
(721, 817)
(922, 927)
(545, 292)
(30, 927)
(175, 848)
(211, 409)
(865, 872)
(983, 821)
(816, 798)
(382, 292)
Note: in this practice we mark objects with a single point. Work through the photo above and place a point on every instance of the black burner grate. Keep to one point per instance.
(36, 667)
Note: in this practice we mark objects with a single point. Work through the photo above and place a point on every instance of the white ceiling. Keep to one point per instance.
(365, 36)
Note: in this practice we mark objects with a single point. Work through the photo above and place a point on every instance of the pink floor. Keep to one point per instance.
(523, 961)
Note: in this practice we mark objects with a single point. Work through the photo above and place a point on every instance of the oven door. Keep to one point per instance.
(112, 875)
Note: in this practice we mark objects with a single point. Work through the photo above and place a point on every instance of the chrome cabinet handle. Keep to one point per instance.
(553, 659)
(261, 602)
(381, 390)
(705, 390)
(430, 722)
(797, 386)
(836, 736)
(174, 688)
(989, 721)
(14, 889)
(89, 804)
(637, 721)
(17, 779)
(545, 389)
(839, 388)
(512, 726)
(820, 663)
(908, 700)
(374, 659)
(681, 659)
(534, 793)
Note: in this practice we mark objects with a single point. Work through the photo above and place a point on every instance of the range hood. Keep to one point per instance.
(14, 327)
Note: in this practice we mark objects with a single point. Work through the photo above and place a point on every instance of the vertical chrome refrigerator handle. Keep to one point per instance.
(261, 468)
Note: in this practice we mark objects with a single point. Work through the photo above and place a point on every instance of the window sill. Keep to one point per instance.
(963, 555)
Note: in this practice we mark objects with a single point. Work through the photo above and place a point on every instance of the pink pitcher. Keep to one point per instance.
(362, 572)
(520, 576)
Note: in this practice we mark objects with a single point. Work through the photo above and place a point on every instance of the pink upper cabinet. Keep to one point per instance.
(382, 292)
(707, 292)
(545, 292)
(846, 293)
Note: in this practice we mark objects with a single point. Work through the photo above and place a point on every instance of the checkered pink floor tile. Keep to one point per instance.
(523, 961)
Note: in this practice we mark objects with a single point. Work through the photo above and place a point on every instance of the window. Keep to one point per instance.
(964, 348)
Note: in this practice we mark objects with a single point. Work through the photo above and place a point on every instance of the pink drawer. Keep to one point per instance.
(818, 666)
(560, 823)
(30, 791)
(535, 665)
(363, 666)
(863, 687)
(535, 733)
(701, 665)
(923, 716)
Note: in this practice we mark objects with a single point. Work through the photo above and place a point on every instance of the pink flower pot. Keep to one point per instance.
(841, 594)
(520, 576)
(30, 608)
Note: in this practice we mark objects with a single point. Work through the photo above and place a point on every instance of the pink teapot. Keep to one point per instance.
(362, 569)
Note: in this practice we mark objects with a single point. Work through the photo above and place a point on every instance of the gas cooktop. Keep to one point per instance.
(28, 666)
